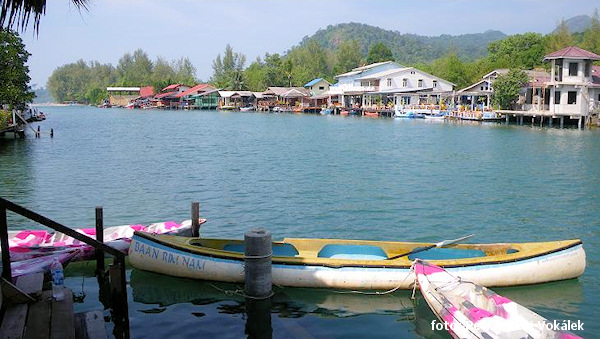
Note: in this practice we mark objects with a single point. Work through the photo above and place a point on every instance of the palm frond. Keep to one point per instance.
(16, 13)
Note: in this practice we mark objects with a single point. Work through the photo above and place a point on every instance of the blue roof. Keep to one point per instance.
(313, 82)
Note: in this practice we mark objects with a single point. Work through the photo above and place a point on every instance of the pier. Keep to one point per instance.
(547, 118)
(29, 311)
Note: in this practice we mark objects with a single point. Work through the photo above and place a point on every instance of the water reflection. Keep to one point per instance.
(558, 300)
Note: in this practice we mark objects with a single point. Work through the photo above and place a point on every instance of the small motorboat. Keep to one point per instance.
(469, 310)
(359, 264)
(246, 109)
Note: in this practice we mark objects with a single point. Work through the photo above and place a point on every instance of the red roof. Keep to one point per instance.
(195, 90)
(596, 75)
(162, 95)
(147, 91)
(171, 87)
(573, 53)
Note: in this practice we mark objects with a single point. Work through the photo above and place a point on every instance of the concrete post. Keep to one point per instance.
(257, 268)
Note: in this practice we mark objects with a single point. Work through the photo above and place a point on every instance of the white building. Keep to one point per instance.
(574, 88)
(388, 83)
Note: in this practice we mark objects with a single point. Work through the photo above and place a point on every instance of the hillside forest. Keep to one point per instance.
(462, 60)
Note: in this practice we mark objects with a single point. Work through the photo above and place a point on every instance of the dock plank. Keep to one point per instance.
(62, 324)
(13, 323)
(31, 284)
(14, 294)
(90, 325)
(39, 318)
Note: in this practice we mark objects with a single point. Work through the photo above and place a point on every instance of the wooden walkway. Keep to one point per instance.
(30, 312)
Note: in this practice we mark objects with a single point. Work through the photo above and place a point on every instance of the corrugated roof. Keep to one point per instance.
(383, 73)
(147, 91)
(194, 90)
(596, 75)
(279, 91)
(572, 52)
(128, 89)
(162, 95)
(171, 87)
(361, 69)
(313, 82)
(226, 94)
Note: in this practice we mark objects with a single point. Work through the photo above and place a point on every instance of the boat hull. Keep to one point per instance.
(152, 253)
(469, 310)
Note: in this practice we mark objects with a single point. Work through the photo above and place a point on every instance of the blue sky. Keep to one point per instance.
(200, 29)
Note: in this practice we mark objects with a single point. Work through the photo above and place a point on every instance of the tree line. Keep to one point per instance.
(87, 81)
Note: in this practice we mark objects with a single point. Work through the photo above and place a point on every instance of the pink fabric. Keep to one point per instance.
(449, 318)
(171, 224)
(569, 336)
(476, 314)
(88, 231)
(499, 300)
(427, 269)
(137, 227)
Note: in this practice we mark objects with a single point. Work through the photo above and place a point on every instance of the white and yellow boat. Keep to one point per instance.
(357, 264)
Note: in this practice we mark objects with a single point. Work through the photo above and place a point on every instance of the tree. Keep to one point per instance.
(347, 57)
(591, 36)
(507, 88)
(517, 51)
(228, 72)
(379, 52)
(134, 70)
(560, 38)
(14, 90)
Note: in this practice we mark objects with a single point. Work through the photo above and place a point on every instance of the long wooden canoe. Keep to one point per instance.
(357, 264)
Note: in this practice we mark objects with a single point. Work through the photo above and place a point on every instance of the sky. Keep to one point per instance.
(200, 29)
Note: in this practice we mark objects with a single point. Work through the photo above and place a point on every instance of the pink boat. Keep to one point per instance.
(469, 310)
(28, 244)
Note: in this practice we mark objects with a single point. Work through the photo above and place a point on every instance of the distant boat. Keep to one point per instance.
(400, 113)
(325, 111)
(246, 109)
(491, 116)
(227, 108)
(371, 114)
(469, 310)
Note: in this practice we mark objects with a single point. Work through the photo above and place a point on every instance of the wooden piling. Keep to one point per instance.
(6, 270)
(195, 219)
(100, 237)
(257, 264)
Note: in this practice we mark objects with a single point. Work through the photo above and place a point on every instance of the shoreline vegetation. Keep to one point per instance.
(318, 57)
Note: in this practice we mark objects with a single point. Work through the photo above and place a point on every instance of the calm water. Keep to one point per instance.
(311, 176)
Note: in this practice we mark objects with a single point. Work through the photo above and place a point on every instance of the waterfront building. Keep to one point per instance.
(386, 84)
(122, 96)
(206, 100)
(166, 99)
(317, 87)
(185, 99)
(287, 97)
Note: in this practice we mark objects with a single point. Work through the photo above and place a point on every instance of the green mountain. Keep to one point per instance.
(407, 48)
(578, 24)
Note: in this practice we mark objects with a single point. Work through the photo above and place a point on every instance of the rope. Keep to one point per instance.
(258, 256)
(239, 292)
(381, 293)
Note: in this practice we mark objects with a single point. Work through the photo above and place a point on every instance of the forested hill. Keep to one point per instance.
(407, 48)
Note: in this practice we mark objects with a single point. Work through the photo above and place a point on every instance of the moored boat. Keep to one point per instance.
(356, 264)
(469, 310)
(28, 244)
(42, 264)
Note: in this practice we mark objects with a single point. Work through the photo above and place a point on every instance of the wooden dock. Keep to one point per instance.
(30, 312)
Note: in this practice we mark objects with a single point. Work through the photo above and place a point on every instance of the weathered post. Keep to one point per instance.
(100, 238)
(6, 271)
(37, 135)
(257, 264)
(52, 133)
(195, 219)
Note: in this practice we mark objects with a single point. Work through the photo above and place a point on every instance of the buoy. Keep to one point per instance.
(257, 268)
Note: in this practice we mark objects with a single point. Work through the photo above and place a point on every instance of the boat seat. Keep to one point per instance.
(356, 252)
(446, 253)
(279, 250)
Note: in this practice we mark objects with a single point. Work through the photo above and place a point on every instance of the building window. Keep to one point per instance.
(588, 65)
(389, 82)
(321, 88)
(412, 72)
(420, 82)
(434, 83)
(573, 69)
(572, 99)
(404, 82)
(557, 97)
